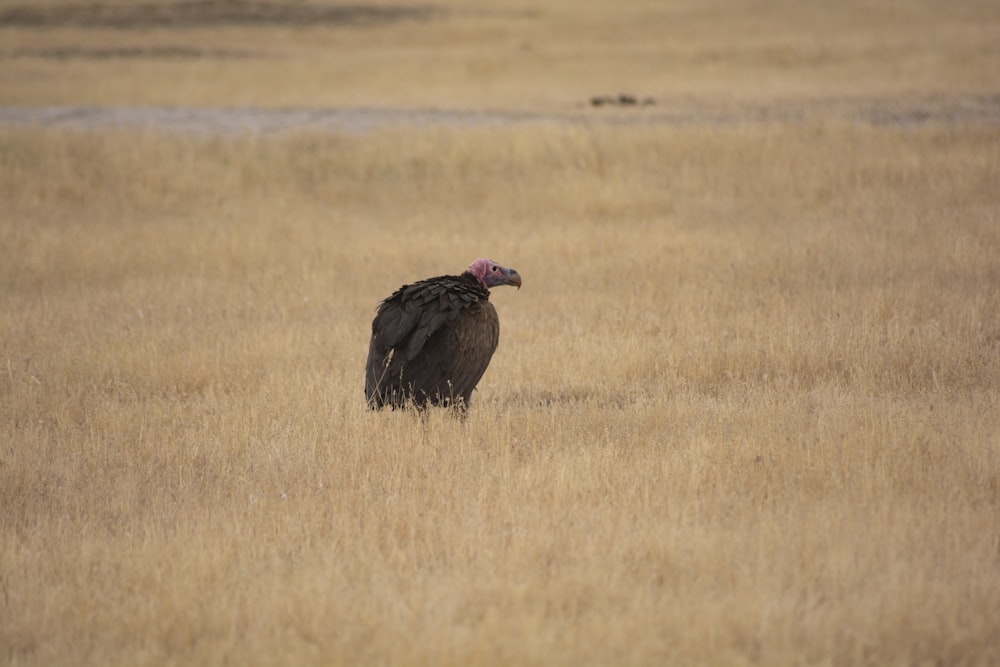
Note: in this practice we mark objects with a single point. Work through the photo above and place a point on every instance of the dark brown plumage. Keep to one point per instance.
(432, 340)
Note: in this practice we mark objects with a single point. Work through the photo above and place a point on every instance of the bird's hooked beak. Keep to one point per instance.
(490, 274)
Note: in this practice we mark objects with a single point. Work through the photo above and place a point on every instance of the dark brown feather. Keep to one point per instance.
(431, 343)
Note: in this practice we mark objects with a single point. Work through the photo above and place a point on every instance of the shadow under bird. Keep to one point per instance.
(432, 340)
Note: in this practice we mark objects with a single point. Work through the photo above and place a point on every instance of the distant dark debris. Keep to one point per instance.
(206, 13)
(621, 100)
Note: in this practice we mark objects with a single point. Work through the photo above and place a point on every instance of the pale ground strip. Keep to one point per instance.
(906, 112)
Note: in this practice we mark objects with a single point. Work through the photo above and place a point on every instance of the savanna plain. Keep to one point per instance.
(745, 408)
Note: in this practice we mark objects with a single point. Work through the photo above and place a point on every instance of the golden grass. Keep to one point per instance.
(745, 410)
(502, 54)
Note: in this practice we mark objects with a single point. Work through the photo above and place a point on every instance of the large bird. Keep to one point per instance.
(432, 340)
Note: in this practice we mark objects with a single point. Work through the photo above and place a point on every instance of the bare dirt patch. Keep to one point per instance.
(195, 14)
(127, 52)
(972, 110)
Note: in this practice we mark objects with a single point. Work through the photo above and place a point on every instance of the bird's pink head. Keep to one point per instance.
(490, 274)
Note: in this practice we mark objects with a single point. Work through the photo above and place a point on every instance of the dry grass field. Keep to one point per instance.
(745, 410)
(478, 54)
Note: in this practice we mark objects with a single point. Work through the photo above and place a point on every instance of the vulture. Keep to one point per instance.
(432, 340)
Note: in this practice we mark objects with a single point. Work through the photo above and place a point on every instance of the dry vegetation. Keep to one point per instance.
(745, 410)
(500, 54)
